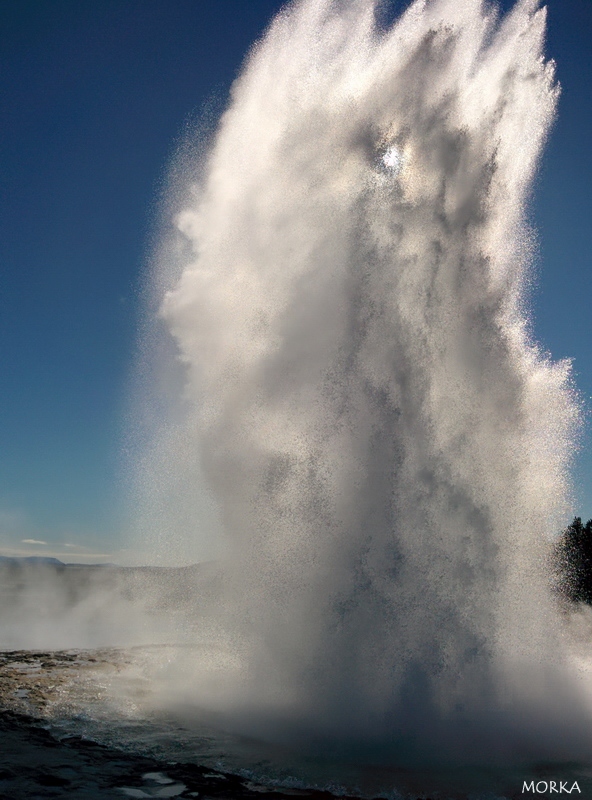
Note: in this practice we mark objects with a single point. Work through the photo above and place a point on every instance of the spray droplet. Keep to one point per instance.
(393, 159)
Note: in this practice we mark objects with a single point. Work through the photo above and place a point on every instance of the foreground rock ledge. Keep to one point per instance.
(34, 764)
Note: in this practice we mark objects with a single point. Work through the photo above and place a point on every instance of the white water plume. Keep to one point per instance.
(387, 449)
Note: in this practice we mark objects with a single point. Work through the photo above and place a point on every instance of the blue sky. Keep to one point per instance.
(95, 97)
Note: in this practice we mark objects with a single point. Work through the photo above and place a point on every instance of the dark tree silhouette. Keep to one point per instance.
(573, 562)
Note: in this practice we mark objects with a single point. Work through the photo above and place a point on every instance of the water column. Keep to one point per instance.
(386, 445)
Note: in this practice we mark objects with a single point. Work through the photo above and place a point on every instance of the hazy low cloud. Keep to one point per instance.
(32, 541)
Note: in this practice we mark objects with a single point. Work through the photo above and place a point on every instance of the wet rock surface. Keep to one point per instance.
(41, 760)
(31, 680)
(36, 763)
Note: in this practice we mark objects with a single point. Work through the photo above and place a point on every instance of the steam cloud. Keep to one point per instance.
(386, 446)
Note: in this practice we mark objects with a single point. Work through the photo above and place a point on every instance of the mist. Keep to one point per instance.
(352, 389)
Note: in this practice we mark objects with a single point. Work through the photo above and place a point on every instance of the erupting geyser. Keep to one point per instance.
(386, 446)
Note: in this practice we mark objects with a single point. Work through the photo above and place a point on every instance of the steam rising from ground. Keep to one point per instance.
(43, 606)
(386, 447)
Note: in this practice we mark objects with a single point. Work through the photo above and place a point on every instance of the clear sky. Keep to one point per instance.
(95, 95)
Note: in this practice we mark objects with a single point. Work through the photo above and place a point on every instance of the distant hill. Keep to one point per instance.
(31, 560)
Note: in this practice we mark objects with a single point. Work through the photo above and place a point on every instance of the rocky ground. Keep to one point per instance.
(36, 763)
